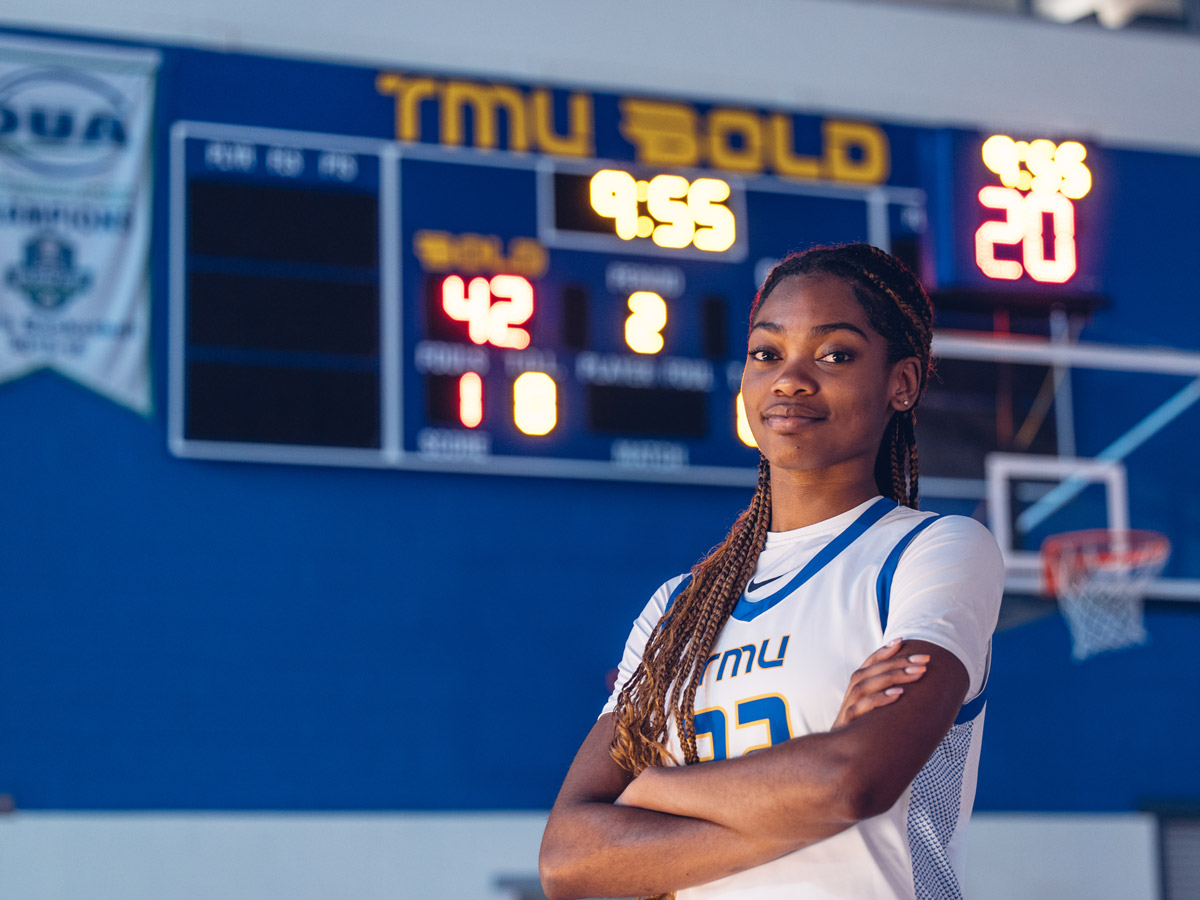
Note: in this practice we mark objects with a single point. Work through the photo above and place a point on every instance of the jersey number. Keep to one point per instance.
(769, 710)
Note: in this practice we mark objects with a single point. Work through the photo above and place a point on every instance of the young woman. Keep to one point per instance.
(732, 759)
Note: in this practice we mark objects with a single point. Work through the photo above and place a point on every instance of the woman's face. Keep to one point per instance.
(817, 386)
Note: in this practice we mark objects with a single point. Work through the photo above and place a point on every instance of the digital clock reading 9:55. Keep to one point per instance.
(667, 210)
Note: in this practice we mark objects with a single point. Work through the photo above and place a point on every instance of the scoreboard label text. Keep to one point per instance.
(492, 116)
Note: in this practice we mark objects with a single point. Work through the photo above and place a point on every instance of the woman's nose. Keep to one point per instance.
(796, 377)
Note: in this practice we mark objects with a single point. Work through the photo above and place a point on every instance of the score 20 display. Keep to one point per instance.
(358, 301)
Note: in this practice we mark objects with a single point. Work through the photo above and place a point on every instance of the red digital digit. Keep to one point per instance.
(1008, 231)
(1061, 212)
(496, 323)
(516, 308)
(469, 303)
(470, 399)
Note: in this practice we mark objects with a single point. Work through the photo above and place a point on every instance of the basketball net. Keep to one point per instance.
(1100, 578)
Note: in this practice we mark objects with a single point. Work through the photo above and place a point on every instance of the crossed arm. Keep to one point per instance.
(675, 827)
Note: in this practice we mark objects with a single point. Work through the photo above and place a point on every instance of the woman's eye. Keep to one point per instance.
(837, 356)
(762, 354)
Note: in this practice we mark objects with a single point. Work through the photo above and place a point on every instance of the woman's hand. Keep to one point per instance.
(878, 681)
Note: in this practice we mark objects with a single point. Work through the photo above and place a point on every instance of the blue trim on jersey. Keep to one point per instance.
(972, 709)
(883, 585)
(747, 609)
(687, 579)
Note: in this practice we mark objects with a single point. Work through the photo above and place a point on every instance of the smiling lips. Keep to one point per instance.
(788, 417)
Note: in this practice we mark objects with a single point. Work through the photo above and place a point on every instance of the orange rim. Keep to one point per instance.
(1143, 548)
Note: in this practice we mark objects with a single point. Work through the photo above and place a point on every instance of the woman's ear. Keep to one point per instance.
(905, 383)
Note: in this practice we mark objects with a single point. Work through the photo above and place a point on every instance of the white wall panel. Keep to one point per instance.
(464, 856)
(879, 60)
(1055, 857)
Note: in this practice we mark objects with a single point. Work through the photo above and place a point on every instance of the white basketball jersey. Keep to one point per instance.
(821, 600)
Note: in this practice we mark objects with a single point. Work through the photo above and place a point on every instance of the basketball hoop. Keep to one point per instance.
(1100, 578)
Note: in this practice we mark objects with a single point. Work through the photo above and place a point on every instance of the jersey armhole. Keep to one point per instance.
(975, 705)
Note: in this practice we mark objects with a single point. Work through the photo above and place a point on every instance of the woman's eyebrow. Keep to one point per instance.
(816, 330)
(838, 326)
(773, 327)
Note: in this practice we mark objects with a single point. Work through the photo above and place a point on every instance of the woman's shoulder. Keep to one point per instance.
(660, 601)
(953, 537)
(963, 529)
(944, 526)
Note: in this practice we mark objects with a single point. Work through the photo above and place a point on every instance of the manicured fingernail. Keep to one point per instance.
(893, 642)
(919, 658)
(892, 692)
(913, 670)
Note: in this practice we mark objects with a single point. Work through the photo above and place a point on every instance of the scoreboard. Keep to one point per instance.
(516, 281)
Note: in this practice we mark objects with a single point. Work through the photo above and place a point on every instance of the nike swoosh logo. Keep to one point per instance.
(755, 585)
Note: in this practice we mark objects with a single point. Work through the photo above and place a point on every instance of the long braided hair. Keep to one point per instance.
(663, 687)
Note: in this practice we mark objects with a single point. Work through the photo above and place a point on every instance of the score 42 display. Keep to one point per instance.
(364, 301)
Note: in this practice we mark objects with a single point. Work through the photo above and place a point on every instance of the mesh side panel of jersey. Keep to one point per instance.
(933, 814)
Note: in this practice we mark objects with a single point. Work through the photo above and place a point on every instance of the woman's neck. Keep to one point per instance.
(800, 498)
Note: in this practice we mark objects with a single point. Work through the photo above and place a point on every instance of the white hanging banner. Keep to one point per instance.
(75, 187)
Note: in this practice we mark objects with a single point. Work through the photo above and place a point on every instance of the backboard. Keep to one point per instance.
(1043, 433)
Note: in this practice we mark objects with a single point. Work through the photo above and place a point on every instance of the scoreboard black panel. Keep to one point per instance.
(451, 297)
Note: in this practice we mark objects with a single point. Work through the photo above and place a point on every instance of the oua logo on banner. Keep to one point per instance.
(75, 180)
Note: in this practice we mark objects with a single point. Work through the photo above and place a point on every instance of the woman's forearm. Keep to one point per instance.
(597, 849)
(797, 791)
